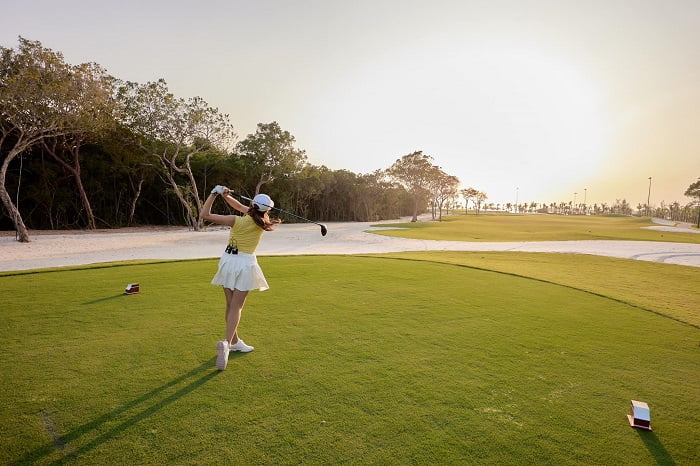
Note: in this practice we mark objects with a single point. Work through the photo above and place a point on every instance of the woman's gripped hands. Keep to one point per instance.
(221, 190)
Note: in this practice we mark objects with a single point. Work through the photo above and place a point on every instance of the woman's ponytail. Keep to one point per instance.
(262, 219)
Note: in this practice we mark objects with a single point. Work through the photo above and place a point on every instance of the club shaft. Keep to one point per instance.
(281, 210)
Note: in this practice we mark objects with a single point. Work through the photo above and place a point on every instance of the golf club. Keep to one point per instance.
(324, 230)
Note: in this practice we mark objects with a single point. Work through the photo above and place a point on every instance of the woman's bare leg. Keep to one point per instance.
(235, 299)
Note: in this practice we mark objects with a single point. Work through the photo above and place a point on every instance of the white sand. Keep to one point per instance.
(80, 248)
(669, 225)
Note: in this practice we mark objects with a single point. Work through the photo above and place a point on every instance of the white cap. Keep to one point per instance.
(263, 202)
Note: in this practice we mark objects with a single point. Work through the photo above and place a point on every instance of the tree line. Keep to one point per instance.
(83, 149)
(675, 211)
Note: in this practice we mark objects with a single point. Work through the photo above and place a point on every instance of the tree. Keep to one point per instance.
(445, 187)
(37, 91)
(131, 165)
(413, 172)
(90, 116)
(467, 194)
(303, 191)
(694, 192)
(480, 198)
(622, 207)
(269, 153)
(373, 195)
(173, 131)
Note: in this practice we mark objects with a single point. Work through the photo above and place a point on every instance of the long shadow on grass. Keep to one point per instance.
(656, 448)
(65, 442)
(108, 298)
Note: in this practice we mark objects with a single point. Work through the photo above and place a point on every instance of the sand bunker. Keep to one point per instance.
(80, 248)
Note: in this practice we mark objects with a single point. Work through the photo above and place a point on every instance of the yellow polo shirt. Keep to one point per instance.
(245, 234)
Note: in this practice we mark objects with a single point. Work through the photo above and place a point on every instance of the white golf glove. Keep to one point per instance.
(218, 189)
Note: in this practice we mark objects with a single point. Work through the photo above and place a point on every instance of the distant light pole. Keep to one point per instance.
(585, 196)
(648, 198)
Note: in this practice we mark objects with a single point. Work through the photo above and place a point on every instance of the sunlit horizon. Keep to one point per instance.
(538, 102)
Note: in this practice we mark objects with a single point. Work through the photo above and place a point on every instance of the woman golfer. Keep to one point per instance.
(239, 271)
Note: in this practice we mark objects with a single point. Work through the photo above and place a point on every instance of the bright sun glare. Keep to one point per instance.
(484, 110)
(534, 113)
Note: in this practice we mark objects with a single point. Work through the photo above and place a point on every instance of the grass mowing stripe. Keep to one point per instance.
(435, 257)
(406, 362)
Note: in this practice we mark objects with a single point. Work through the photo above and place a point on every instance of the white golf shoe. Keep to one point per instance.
(241, 346)
(222, 349)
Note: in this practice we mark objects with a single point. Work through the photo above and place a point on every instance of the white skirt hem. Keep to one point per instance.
(240, 272)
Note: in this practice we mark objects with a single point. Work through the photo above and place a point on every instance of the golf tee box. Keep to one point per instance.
(132, 288)
(639, 415)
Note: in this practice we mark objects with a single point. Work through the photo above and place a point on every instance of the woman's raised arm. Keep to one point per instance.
(227, 220)
(233, 202)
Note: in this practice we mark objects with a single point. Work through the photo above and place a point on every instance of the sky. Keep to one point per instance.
(527, 101)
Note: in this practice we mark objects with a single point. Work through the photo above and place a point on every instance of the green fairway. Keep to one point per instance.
(358, 360)
(667, 289)
(536, 227)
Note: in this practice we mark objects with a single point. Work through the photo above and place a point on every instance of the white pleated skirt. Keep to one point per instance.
(240, 272)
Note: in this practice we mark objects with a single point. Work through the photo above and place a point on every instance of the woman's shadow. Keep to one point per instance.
(67, 442)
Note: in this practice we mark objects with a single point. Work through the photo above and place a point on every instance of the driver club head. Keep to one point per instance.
(324, 230)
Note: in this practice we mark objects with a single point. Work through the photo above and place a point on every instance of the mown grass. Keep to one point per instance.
(358, 360)
(512, 227)
(667, 289)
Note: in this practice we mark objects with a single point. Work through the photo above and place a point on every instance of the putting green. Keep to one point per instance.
(362, 360)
